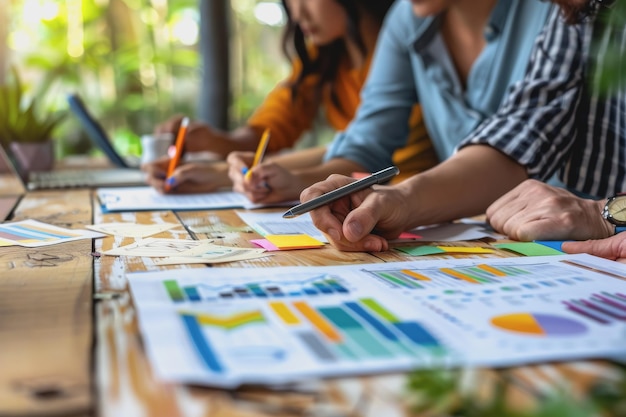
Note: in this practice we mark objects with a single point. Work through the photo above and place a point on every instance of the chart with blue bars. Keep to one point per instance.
(349, 332)
(228, 326)
(318, 285)
(507, 277)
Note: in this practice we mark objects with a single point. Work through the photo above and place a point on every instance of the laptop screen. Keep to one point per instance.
(11, 185)
(12, 178)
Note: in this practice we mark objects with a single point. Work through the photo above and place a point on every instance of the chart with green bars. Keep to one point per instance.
(231, 326)
(319, 285)
(510, 277)
(348, 333)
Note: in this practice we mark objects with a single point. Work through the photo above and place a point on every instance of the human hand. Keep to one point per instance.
(537, 211)
(361, 221)
(190, 178)
(200, 137)
(267, 182)
(613, 247)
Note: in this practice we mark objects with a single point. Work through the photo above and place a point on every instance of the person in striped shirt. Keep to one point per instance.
(550, 123)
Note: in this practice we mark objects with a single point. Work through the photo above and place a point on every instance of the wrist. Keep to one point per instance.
(614, 213)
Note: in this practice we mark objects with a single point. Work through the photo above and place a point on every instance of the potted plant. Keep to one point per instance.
(25, 127)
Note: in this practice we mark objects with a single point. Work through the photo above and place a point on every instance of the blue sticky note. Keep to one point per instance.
(554, 244)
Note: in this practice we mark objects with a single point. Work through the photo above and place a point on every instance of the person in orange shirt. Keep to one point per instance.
(330, 45)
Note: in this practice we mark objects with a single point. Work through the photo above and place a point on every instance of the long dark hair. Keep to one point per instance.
(328, 58)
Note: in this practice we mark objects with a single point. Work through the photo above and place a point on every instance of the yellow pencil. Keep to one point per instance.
(260, 151)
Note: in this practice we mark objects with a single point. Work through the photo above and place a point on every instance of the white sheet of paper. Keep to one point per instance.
(33, 234)
(214, 254)
(274, 224)
(229, 326)
(155, 247)
(450, 232)
(147, 198)
(132, 229)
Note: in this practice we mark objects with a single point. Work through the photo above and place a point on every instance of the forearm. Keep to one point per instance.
(464, 185)
(320, 172)
(306, 158)
(243, 138)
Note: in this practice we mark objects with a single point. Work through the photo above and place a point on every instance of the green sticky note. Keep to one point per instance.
(528, 248)
(420, 250)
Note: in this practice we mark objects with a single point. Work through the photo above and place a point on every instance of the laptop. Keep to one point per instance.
(11, 186)
(97, 134)
(126, 172)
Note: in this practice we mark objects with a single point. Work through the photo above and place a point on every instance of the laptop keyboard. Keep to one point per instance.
(71, 178)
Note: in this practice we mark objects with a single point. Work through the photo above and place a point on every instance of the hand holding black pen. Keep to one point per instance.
(362, 220)
(376, 178)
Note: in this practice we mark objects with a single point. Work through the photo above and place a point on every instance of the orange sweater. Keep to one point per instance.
(288, 120)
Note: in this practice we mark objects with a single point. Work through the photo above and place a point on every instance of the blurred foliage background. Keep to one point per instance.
(135, 62)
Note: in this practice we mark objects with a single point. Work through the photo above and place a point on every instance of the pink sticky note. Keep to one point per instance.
(265, 244)
(409, 235)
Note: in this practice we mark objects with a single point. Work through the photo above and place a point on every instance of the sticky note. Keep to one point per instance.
(465, 249)
(528, 248)
(420, 250)
(554, 244)
(265, 244)
(432, 250)
(409, 235)
(300, 241)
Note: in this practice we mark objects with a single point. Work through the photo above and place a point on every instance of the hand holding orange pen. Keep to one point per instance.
(175, 159)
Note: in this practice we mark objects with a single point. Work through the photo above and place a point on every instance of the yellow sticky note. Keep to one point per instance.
(465, 249)
(302, 241)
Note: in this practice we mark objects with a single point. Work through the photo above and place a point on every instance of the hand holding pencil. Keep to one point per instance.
(179, 146)
(258, 155)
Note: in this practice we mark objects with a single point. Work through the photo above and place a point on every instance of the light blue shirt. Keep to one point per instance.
(412, 65)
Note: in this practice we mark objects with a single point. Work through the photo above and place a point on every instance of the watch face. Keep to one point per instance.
(616, 208)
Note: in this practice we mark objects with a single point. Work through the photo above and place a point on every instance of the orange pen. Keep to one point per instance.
(180, 142)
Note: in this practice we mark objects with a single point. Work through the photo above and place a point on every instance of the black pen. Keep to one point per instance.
(376, 178)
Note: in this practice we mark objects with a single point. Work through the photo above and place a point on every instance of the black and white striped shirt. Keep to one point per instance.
(552, 122)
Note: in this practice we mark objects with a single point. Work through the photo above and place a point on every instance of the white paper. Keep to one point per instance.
(225, 327)
(449, 232)
(155, 247)
(147, 198)
(134, 230)
(215, 254)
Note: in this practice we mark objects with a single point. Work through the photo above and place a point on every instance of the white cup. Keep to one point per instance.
(155, 146)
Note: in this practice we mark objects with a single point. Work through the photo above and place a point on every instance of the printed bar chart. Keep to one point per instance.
(446, 277)
(603, 307)
(269, 289)
(233, 326)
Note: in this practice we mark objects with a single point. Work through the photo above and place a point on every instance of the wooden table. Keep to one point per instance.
(70, 344)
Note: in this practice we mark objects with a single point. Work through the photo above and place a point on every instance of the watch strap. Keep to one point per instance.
(620, 229)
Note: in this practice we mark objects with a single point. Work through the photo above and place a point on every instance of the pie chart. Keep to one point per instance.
(539, 324)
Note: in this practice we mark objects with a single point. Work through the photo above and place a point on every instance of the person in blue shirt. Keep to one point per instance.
(457, 59)
(550, 122)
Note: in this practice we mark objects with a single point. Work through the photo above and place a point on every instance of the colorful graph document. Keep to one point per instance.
(226, 327)
(32, 234)
(274, 224)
